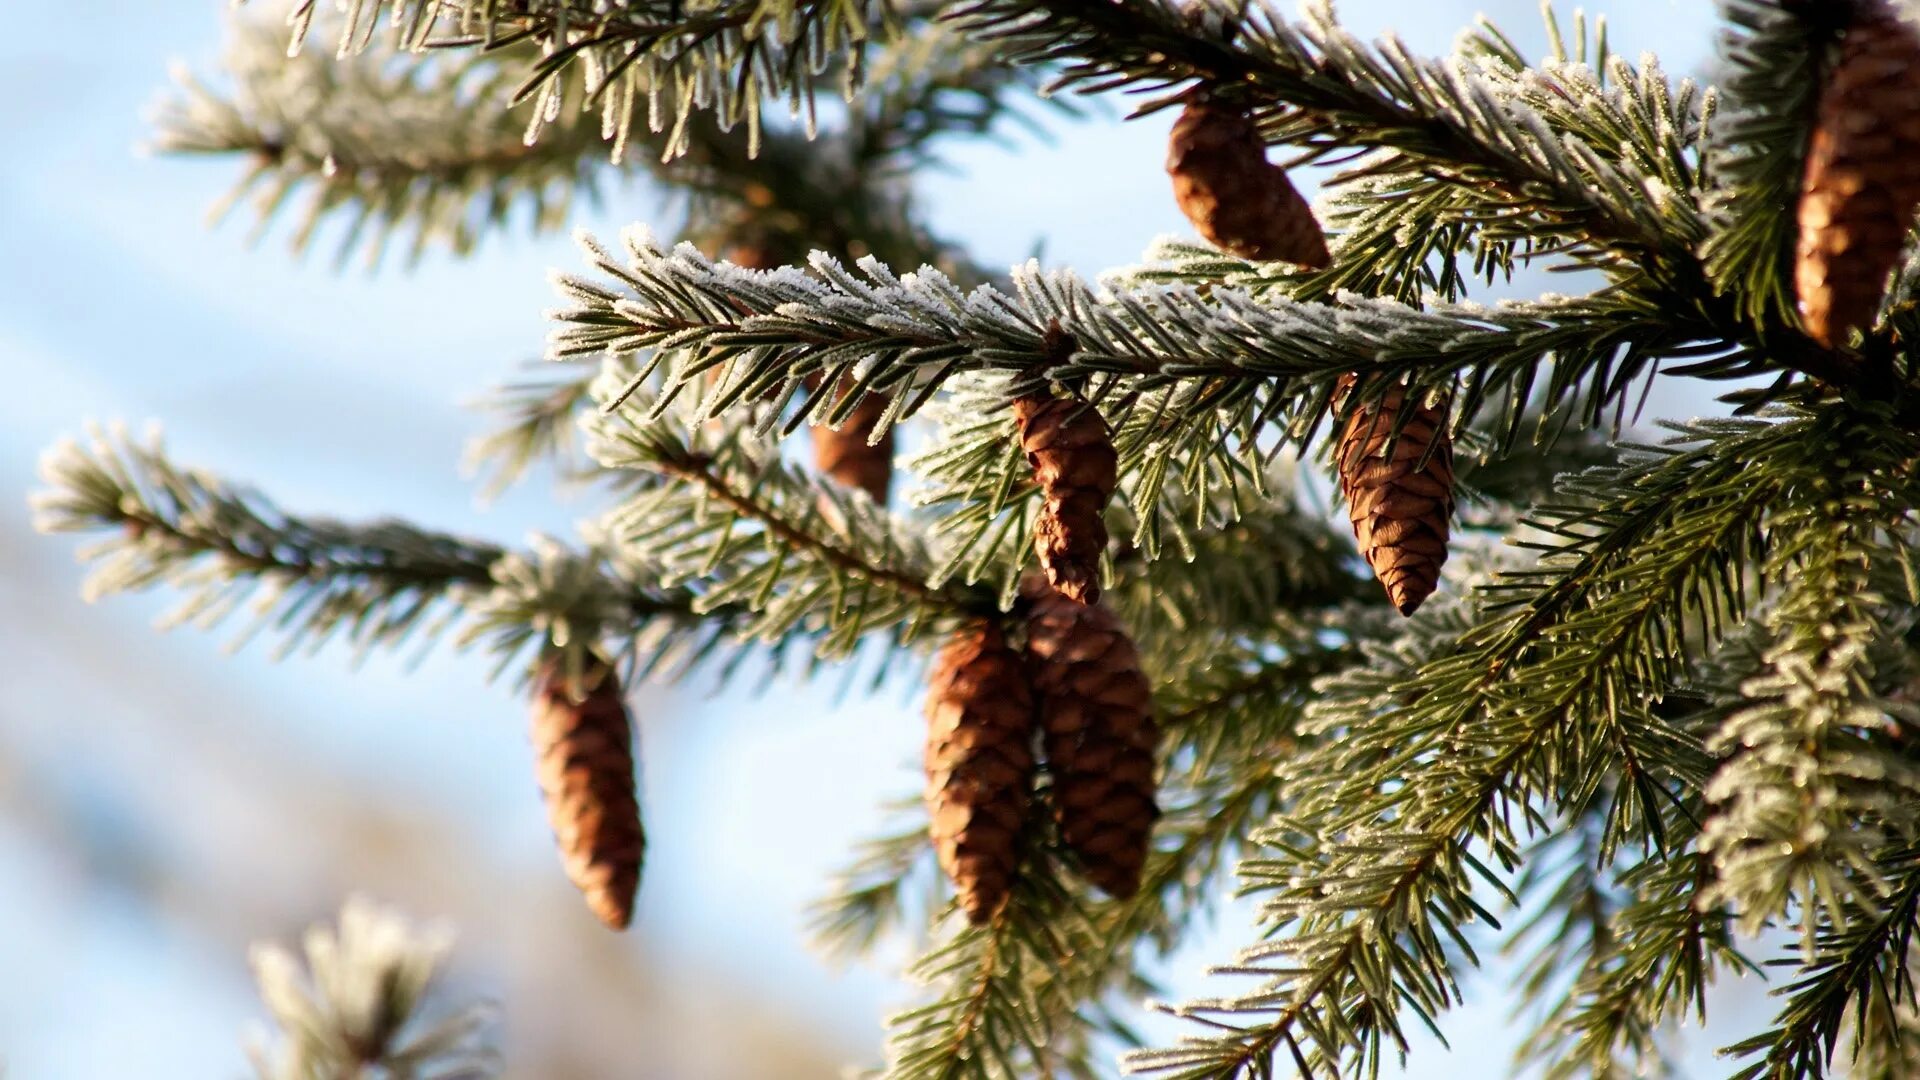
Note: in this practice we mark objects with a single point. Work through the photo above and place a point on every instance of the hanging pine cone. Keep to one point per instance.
(1098, 734)
(1399, 492)
(844, 454)
(979, 761)
(1240, 202)
(1862, 180)
(1074, 463)
(583, 746)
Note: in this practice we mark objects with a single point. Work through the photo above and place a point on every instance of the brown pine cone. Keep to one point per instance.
(1399, 503)
(843, 453)
(1097, 730)
(1240, 202)
(1862, 180)
(979, 760)
(583, 747)
(1074, 463)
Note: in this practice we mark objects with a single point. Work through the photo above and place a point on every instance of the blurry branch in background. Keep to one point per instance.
(388, 143)
(363, 1003)
(639, 62)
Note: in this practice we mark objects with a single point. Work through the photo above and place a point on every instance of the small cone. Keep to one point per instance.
(979, 760)
(1074, 463)
(1862, 181)
(1241, 202)
(1097, 729)
(1399, 494)
(845, 454)
(583, 745)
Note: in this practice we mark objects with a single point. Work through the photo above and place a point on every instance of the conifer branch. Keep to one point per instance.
(432, 143)
(1860, 959)
(653, 55)
(310, 579)
(1195, 373)
(723, 508)
(1524, 712)
(362, 1004)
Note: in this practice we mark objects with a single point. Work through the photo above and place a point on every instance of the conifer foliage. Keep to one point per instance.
(1663, 738)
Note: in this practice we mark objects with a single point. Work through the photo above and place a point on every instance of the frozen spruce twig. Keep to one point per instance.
(357, 1001)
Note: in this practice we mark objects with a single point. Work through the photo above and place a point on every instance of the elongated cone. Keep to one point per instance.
(583, 746)
(1399, 492)
(1098, 734)
(1241, 202)
(846, 455)
(1074, 463)
(979, 759)
(1862, 182)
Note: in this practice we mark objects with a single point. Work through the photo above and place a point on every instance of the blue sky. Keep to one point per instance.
(342, 394)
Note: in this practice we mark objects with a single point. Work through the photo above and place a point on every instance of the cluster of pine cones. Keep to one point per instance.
(1063, 685)
(1076, 688)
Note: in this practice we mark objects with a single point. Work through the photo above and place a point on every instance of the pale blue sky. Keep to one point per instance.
(341, 393)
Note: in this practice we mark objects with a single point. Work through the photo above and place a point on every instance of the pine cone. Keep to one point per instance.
(1097, 730)
(1399, 504)
(583, 747)
(979, 761)
(1862, 180)
(844, 454)
(1074, 463)
(1240, 202)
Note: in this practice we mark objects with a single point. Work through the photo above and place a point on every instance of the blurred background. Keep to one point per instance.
(163, 803)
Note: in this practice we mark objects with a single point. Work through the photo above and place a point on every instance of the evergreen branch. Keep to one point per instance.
(1530, 708)
(1808, 799)
(1058, 954)
(1182, 530)
(383, 143)
(432, 143)
(310, 579)
(724, 508)
(1861, 949)
(1315, 82)
(659, 55)
(1186, 371)
(1645, 951)
(362, 1004)
(540, 420)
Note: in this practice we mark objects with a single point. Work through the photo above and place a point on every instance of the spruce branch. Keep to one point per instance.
(1316, 85)
(311, 579)
(1184, 370)
(431, 143)
(1407, 803)
(1061, 957)
(362, 1004)
(1636, 951)
(1861, 952)
(384, 143)
(1809, 798)
(652, 57)
(723, 508)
